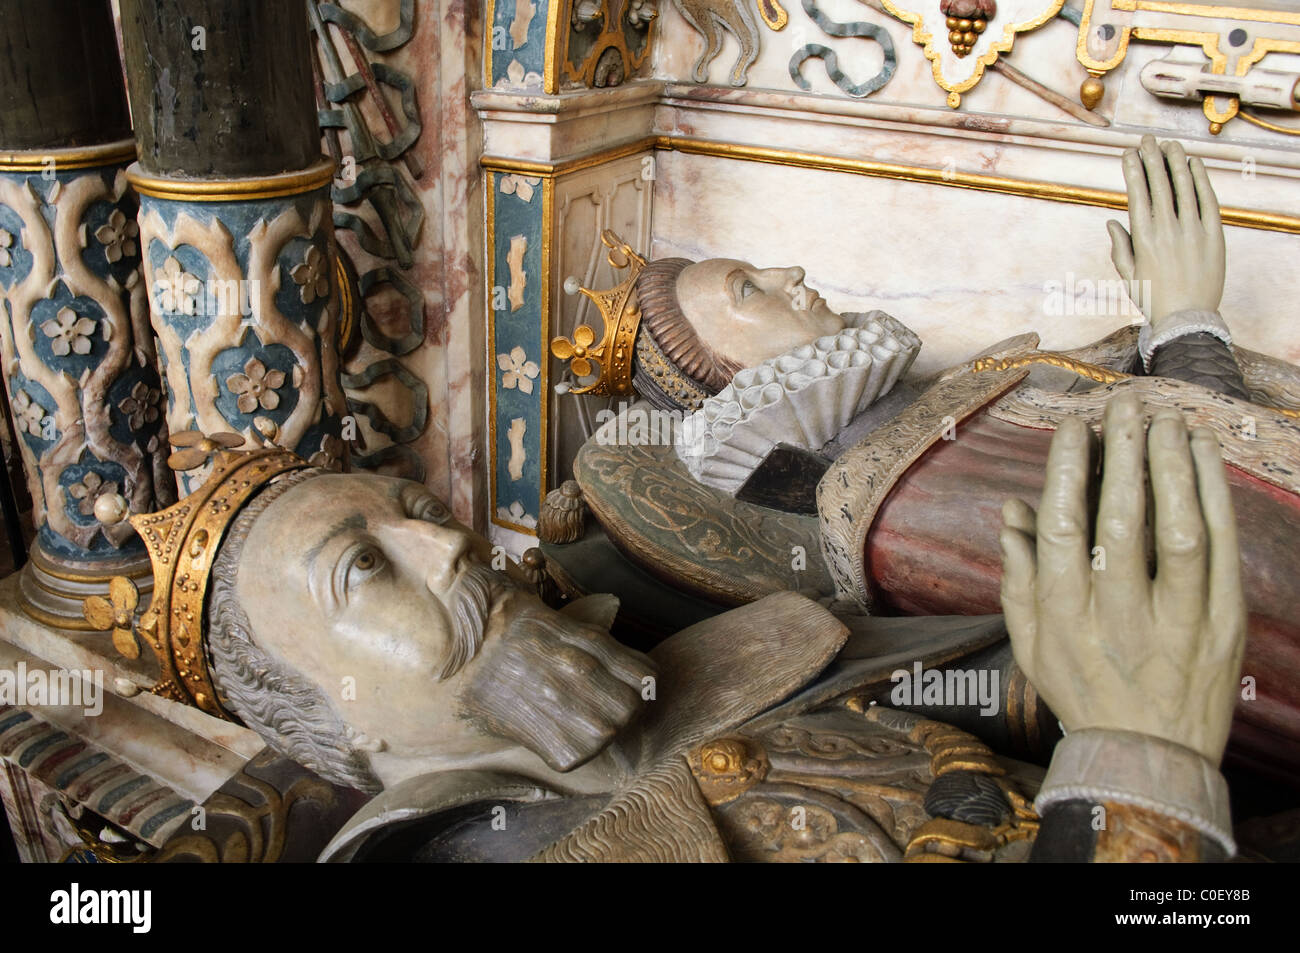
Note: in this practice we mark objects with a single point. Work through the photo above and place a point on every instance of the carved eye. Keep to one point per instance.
(364, 563)
(431, 510)
(747, 289)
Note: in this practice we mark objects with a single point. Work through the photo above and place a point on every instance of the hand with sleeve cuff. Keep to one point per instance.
(1174, 259)
(1175, 254)
(1117, 648)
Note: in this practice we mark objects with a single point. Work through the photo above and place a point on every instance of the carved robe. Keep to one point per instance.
(908, 521)
(747, 753)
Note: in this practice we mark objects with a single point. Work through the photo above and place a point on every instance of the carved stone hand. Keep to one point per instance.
(1175, 252)
(1107, 645)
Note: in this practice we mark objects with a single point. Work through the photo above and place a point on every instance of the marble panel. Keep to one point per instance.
(962, 268)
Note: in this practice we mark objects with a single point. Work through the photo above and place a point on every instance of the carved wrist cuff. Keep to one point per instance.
(1177, 325)
(1125, 767)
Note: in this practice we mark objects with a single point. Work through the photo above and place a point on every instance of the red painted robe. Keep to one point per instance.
(921, 566)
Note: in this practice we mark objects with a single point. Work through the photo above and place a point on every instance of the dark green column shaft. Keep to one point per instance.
(60, 76)
(220, 88)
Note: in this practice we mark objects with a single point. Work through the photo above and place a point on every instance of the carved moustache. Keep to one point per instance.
(471, 602)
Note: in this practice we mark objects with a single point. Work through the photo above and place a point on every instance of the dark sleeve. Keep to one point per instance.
(1087, 832)
(1200, 359)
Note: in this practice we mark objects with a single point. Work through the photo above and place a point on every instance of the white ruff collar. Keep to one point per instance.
(802, 398)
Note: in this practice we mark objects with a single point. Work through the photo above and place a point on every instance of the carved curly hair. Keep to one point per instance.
(289, 712)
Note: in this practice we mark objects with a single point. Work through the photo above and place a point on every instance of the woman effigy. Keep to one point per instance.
(902, 493)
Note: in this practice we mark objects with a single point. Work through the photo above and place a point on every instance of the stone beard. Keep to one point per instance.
(555, 685)
(289, 712)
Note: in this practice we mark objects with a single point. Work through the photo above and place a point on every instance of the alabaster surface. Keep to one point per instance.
(176, 747)
(415, 378)
(1046, 54)
(959, 267)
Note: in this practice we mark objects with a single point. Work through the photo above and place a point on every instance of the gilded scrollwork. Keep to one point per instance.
(1233, 37)
(606, 40)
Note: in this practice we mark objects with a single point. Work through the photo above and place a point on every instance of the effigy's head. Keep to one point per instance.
(678, 331)
(348, 614)
(715, 317)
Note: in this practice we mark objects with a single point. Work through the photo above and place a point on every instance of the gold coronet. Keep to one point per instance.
(621, 316)
(315, 176)
(182, 542)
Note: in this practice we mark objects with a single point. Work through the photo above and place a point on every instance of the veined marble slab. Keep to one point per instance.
(964, 269)
(208, 740)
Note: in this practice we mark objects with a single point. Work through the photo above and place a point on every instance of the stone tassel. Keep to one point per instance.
(79, 365)
(236, 224)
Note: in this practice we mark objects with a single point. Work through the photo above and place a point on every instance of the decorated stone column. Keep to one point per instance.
(235, 226)
(79, 365)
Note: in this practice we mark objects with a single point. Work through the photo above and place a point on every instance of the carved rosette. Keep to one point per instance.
(244, 298)
(80, 372)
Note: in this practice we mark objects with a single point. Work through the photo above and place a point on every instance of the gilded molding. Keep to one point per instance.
(1006, 185)
(81, 157)
(551, 69)
(232, 190)
(564, 167)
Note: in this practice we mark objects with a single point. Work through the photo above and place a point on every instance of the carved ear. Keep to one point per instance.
(597, 609)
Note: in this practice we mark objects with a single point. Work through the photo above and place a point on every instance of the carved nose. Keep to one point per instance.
(779, 279)
(442, 549)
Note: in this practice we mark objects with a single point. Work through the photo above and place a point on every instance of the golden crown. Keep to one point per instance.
(183, 541)
(621, 316)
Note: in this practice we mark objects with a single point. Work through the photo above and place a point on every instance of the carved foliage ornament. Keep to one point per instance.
(963, 37)
(77, 359)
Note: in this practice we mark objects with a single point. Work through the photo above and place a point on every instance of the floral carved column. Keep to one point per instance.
(236, 226)
(79, 364)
